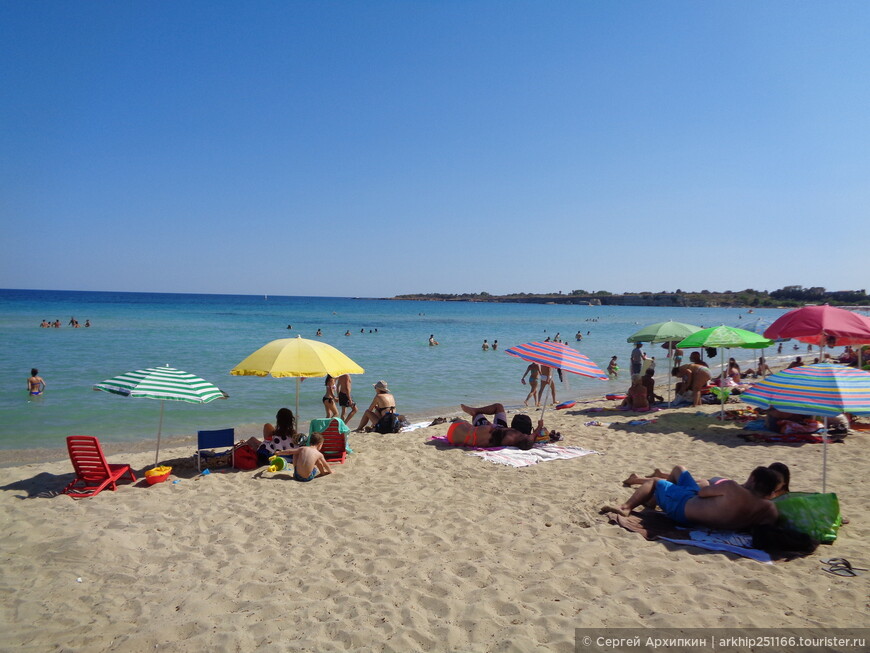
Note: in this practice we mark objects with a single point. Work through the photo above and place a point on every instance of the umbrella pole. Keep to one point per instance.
(297, 403)
(159, 431)
(825, 455)
(722, 386)
(669, 368)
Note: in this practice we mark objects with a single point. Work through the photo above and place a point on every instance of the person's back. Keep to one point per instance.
(700, 375)
(727, 504)
(385, 401)
(35, 384)
(305, 461)
(308, 461)
(649, 384)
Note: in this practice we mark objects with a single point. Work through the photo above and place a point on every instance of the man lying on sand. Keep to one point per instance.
(723, 504)
(483, 433)
(781, 489)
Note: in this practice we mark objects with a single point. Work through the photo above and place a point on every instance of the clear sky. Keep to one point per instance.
(370, 148)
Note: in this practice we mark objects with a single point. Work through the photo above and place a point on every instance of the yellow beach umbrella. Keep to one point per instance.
(297, 357)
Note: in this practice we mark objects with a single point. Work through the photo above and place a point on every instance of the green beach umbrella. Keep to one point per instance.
(165, 384)
(668, 332)
(664, 332)
(724, 337)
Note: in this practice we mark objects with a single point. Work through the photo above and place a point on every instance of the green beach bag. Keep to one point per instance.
(813, 513)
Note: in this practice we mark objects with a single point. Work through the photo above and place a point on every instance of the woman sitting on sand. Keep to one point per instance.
(383, 403)
(734, 371)
(276, 438)
(636, 397)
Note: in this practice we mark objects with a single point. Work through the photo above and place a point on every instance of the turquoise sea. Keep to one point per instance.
(208, 334)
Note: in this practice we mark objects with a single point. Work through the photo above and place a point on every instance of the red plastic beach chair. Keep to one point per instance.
(334, 447)
(93, 473)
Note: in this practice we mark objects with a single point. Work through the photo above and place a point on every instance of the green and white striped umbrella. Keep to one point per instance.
(165, 384)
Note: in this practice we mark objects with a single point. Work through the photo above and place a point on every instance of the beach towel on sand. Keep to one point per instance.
(540, 453)
(652, 525)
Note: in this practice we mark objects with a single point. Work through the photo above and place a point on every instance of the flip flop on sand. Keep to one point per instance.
(841, 567)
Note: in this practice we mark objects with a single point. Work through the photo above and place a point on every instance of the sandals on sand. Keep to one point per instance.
(841, 567)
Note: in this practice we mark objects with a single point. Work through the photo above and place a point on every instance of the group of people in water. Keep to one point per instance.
(74, 323)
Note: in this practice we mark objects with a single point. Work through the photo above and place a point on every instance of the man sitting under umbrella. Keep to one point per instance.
(483, 433)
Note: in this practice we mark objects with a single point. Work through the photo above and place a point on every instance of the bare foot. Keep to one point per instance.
(618, 510)
(467, 409)
(634, 479)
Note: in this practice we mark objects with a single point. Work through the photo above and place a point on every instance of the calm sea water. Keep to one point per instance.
(208, 334)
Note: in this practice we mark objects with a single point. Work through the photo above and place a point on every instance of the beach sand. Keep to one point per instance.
(410, 546)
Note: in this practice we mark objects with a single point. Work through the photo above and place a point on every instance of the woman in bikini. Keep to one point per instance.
(483, 433)
(329, 397)
(383, 403)
(533, 370)
(547, 383)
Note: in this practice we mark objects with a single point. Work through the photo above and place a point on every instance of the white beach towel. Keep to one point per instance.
(414, 426)
(514, 457)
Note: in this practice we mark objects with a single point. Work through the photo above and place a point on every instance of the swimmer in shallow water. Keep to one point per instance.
(35, 384)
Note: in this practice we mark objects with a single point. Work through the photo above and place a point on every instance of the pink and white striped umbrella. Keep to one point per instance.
(559, 355)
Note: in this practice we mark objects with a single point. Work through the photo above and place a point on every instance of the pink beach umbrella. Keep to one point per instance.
(558, 355)
(821, 325)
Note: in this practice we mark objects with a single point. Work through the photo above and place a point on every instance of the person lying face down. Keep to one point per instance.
(482, 432)
(725, 504)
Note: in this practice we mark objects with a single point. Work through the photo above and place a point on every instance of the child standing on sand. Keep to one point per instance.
(308, 461)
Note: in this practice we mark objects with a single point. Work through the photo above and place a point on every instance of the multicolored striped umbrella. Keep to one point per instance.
(165, 384)
(559, 355)
(822, 389)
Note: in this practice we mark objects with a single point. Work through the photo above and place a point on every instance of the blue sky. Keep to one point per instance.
(375, 148)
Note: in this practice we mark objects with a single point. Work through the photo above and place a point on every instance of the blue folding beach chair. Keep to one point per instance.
(212, 439)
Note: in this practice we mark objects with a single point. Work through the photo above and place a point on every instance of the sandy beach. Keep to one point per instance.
(410, 546)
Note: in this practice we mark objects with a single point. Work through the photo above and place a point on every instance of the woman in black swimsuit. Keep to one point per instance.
(329, 398)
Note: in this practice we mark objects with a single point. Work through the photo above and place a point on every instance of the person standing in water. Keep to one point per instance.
(35, 384)
(534, 371)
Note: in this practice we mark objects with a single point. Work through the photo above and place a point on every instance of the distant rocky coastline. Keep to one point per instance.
(788, 297)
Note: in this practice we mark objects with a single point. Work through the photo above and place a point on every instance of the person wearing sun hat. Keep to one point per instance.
(384, 402)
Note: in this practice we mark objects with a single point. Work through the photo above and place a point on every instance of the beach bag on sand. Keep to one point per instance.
(389, 423)
(246, 457)
(816, 514)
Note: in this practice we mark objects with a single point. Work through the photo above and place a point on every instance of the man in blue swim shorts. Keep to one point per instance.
(724, 504)
(672, 497)
(308, 462)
